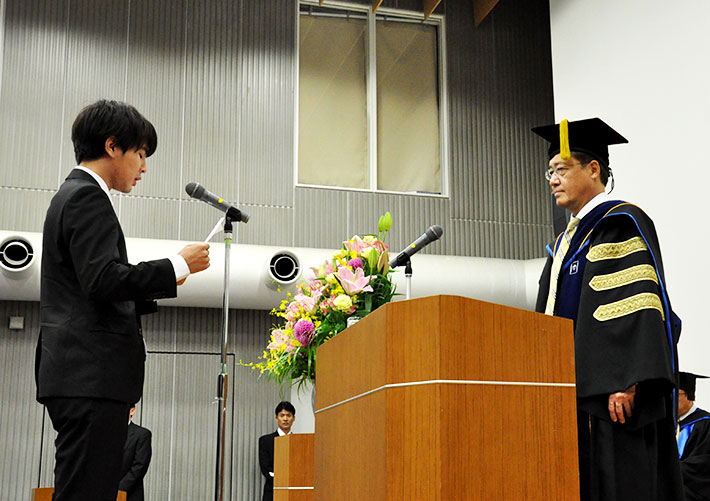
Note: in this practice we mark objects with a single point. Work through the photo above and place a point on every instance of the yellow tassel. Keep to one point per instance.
(564, 140)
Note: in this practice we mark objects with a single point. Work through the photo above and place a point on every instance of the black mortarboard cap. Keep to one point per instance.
(687, 383)
(592, 136)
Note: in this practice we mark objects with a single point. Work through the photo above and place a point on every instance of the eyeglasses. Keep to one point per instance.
(560, 170)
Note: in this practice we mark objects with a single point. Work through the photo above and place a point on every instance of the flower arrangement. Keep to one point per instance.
(355, 282)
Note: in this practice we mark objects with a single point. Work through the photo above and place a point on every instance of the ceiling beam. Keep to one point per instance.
(481, 8)
(429, 6)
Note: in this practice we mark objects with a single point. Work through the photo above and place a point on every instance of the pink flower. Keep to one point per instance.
(355, 263)
(303, 331)
(354, 282)
(380, 246)
(292, 311)
(308, 303)
(354, 244)
(278, 339)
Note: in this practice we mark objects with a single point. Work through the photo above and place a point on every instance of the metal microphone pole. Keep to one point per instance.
(222, 378)
(408, 278)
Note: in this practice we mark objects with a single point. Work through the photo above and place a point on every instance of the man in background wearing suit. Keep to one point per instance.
(136, 459)
(89, 365)
(285, 416)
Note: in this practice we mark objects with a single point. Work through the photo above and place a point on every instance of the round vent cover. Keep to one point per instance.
(16, 254)
(284, 267)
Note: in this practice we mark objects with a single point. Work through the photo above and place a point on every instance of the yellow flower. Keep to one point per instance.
(330, 278)
(343, 302)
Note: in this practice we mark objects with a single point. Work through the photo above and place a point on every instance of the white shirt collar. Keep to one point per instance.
(98, 179)
(594, 202)
(692, 409)
(281, 432)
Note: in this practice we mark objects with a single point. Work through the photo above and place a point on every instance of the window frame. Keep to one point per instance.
(371, 86)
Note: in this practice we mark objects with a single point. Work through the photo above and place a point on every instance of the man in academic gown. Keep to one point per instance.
(605, 273)
(693, 441)
(285, 416)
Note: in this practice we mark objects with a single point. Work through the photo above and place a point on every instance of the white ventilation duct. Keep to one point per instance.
(258, 271)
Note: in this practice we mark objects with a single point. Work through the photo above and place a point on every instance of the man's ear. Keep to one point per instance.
(594, 169)
(111, 147)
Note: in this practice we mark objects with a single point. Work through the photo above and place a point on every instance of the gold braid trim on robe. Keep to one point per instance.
(624, 277)
(629, 305)
(616, 250)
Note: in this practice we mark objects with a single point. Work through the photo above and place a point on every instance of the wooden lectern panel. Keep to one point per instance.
(446, 398)
(45, 494)
(293, 467)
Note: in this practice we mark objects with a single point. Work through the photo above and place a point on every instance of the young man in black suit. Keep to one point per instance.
(285, 416)
(136, 459)
(89, 365)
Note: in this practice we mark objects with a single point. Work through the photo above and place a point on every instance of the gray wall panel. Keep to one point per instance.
(364, 211)
(199, 330)
(143, 217)
(155, 84)
(32, 93)
(211, 146)
(418, 214)
(23, 209)
(499, 88)
(196, 220)
(267, 226)
(267, 103)
(320, 218)
(95, 62)
(20, 415)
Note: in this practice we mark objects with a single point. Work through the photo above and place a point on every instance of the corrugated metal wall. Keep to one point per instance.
(217, 78)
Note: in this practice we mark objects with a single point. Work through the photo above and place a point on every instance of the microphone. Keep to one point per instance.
(196, 190)
(433, 233)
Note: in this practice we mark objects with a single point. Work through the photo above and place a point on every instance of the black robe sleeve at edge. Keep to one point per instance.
(611, 355)
(695, 463)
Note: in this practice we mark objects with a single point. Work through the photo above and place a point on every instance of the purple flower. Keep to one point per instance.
(355, 263)
(303, 331)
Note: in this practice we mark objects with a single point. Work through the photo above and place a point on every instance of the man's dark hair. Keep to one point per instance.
(104, 119)
(585, 158)
(285, 406)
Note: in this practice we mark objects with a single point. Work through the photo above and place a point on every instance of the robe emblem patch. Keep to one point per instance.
(574, 268)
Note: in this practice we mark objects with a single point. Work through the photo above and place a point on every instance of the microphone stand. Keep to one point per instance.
(408, 278)
(222, 377)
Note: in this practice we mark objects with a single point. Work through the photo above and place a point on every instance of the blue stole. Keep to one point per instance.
(684, 435)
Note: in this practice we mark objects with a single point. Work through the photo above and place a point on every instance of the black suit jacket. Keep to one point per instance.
(266, 463)
(136, 458)
(90, 342)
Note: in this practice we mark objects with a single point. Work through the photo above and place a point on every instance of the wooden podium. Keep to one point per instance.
(45, 494)
(293, 467)
(447, 398)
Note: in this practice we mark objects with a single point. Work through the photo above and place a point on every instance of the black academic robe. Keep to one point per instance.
(612, 286)
(694, 450)
(136, 459)
(266, 463)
